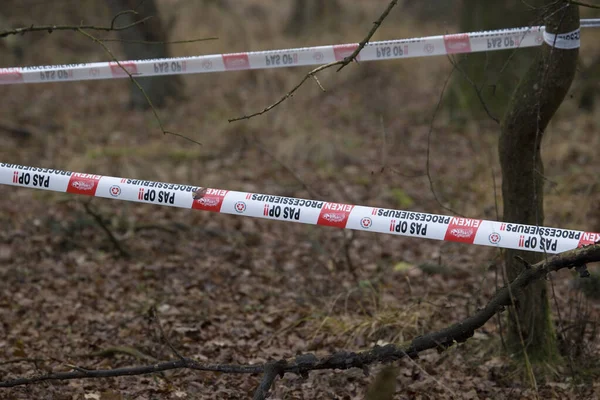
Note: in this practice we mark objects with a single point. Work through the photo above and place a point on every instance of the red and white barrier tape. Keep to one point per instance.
(384, 50)
(315, 212)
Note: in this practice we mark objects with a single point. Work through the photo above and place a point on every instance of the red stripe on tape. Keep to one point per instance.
(211, 201)
(117, 69)
(10, 76)
(342, 51)
(335, 214)
(457, 43)
(462, 230)
(236, 61)
(83, 184)
(589, 238)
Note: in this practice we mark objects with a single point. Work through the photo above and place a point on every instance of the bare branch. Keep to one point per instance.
(98, 218)
(271, 372)
(363, 43)
(288, 94)
(136, 83)
(81, 373)
(429, 134)
(582, 4)
(312, 74)
(475, 88)
(52, 28)
(261, 147)
(153, 315)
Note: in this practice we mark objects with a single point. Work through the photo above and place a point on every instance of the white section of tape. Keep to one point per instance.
(590, 23)
(564, 41)
(472, 42)
(314, 212)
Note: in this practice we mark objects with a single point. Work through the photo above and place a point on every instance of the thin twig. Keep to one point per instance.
(477, 90)
(271, 372)
(262, 148)
(288, 94)
(52, 28)
(319, 83)
(363, 43)
(429, 134)
(153, 314)
(582, 4)
(312, 74)
(98, 218)
(117, 15)
(186, 363)
(136, 83)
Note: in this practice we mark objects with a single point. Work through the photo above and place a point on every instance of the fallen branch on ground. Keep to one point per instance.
(303, 364)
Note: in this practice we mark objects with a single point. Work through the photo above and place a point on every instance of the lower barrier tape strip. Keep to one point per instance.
(315, 212)
(471, 42)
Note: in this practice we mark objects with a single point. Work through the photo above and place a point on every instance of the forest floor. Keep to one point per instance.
(239, 290)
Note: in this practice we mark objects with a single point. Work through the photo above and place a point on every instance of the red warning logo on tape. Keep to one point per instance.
(458, 43)
(10, 75)
(236, 61)
(83, 184)
(462, 230)
(342, 51)
(335, 214)
(117, 68)
(588, 238)
(212, 200)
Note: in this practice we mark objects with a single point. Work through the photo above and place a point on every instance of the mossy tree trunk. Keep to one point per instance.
(532, 105)
(158, 88)
(489, 71)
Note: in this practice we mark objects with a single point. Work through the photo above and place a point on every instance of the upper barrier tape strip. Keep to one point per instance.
(315, 212)
(384, 50)
(563, 41)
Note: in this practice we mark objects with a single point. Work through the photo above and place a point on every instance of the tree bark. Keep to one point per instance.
(158, 88)
(532, 105)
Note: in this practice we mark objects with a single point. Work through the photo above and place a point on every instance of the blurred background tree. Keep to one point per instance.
(312, 14)
(497, 73)
(158, 88)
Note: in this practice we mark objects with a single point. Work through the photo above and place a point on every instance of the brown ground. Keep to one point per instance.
(235, 290)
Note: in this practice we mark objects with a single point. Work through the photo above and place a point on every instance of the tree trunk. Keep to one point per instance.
(157, 88)
(489, 71)
(591, 85)
(532, 105)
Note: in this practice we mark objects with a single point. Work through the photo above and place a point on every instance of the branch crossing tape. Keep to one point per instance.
(563, 41)
(290, 209)
(472, 42)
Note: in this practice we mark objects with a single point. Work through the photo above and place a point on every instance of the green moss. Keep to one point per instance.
(402, 199)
